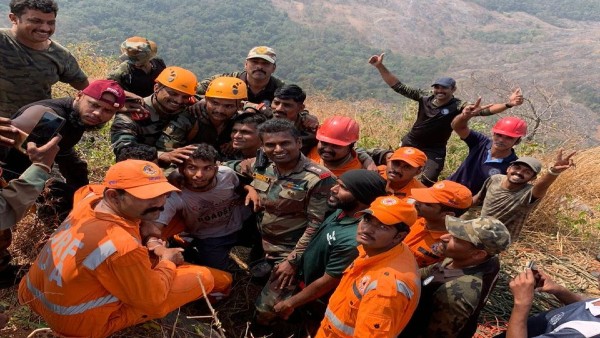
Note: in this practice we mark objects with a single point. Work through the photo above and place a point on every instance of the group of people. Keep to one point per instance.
(356, 242)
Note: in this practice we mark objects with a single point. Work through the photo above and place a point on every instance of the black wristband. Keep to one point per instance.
(508, 105)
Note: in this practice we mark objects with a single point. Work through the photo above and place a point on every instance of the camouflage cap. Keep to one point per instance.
(486, 233)
(138, 50)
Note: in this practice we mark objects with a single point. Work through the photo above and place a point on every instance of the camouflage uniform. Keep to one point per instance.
(267, 94)
(294, 205)
(126, 129)
(451, 299)
(27, 75)
(15, 200)
(135, 80)
(189, 129)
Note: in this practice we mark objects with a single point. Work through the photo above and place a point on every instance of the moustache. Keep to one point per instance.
(259, 70)
(393, 172)
(150, 210)
(365, 235)
(321, 152)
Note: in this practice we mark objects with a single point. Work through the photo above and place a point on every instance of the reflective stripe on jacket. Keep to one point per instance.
(92, 268)
(376, 296)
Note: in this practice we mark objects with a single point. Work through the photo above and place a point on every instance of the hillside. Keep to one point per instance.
(547, 44)
(549, 48)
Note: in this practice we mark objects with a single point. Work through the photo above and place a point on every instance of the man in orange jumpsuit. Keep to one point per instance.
(380, 290)
(445, 198)
(405, 164)
(94, 277)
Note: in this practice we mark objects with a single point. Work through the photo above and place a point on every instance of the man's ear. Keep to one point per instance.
(480, 254)
(13, 18)
(400, 236)
(111, 195)
(448, 213)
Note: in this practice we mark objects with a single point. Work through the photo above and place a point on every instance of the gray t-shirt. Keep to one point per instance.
(27, 75)
(214, 213)
(511, 207)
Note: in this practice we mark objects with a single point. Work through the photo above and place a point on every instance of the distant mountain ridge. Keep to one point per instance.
(531, 43)
(324, 45)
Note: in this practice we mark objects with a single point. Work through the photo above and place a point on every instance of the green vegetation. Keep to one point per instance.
(210, 37)
(505, 37)
(548, 10)
(588, 95)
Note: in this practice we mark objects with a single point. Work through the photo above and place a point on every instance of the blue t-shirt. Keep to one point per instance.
(479, 164)
(571, 321)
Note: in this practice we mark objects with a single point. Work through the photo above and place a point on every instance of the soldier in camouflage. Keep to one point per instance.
(213, 124)
(173, 92)
(257, 75)
(140, 66)
(30, 63)
(455, 290)
(293, 195)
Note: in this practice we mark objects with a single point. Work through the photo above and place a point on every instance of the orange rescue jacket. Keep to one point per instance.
(92, 271)
(354, 163)
(376, 296)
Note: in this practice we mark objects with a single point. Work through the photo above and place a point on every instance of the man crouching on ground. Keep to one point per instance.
(94, 277)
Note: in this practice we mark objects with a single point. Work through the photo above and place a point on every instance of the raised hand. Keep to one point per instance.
(562, 162)
(8, 132)
(377, 60)
(516, 98)
(178, 155)
(474, 109)
(44, 154)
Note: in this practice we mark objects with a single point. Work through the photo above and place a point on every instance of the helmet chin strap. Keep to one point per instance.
(161, 108)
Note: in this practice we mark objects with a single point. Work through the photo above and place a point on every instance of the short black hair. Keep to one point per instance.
(250, 118)
(402, 227)
(137, 151)
(278, 126)
(457, 212)
(18, 7)
(291, 91)
(205, 152)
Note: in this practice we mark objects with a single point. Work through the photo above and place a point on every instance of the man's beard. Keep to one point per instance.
(74, 118)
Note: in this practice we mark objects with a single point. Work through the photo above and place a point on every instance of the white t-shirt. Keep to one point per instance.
(214, 213)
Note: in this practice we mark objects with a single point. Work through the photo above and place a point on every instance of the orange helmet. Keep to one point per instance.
(510, 126)
(226, 87)
(338, 130)
(179, 79)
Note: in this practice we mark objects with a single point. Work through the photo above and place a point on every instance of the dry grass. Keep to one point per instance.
(571, 209)
(561, 235)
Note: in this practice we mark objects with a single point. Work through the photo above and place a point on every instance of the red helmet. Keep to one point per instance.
(510, 126)
(338, 130)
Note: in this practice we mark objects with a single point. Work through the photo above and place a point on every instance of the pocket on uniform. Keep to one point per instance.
(260, 185)
(296, 195)
(378, 323)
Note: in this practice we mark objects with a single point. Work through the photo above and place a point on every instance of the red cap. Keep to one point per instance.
(98, 88)
(410, 155)
(448, 193)
(142, 179)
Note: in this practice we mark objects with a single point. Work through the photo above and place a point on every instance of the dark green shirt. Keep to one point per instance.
(332, 248)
